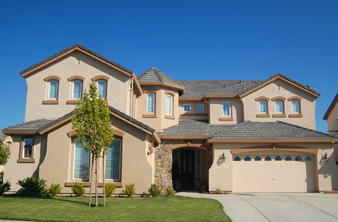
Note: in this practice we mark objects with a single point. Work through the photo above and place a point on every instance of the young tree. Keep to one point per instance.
(4, 153)
(91, 121)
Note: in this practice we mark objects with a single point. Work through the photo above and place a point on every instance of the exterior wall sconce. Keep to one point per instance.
(221, 159)
(324, 159)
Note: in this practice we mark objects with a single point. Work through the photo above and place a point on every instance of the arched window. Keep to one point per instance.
(308, 158)
(258, 158)
(102, 88)
(279, 107)
(295, 107)
(262, 107)
(288, 158)
(298, 158)
(237, 158)
(267, 158)
(169, 104)
(278, 158)
(150, 103)
(247, 158)
(77, 89)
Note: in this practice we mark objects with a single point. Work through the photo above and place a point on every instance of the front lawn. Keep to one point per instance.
(117, 209)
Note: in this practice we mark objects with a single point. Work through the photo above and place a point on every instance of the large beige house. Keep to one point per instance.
(331, 116)
(237, 136)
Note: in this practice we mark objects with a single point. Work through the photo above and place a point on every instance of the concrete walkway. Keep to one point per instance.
(276, 206)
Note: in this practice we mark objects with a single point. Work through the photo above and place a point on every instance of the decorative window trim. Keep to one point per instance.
(21, 158)
(279, 114)
(50, 78)
(296, 114)
(48, 91)
(278, 98)
(226, 119)
(72, 89)
(50, 102)
(295, 98)
(100, 77)
(106, 84)
(154, 105)
(262, 98)
(76, 77)
(266, 113)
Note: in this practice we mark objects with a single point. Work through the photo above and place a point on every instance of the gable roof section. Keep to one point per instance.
(42, 126)
(334, 102)
(156, 77)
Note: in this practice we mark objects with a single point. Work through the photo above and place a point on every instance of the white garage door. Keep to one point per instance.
(271, 172)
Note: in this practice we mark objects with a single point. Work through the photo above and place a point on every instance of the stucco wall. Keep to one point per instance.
(283, 89)
(15, 171)
(193, 114)
(80, 64)
(216, 111)
(331, 120)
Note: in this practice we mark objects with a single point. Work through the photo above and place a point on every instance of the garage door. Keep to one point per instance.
(273, 172)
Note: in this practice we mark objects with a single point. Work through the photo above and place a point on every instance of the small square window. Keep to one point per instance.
(186, 108)
(200, 108)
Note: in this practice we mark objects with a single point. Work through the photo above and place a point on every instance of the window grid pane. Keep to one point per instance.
(113, 160)
(81, 162)
(150, 103)
(226, 109)
(77, 90)
(53, 90)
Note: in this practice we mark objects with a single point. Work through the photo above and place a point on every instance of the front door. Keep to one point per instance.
(187, 169)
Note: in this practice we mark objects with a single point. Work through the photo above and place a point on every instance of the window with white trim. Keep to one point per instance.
(81, 162)
(102, 89)
(186, 108)
(53, 90)
(27, 151)
(77, 90)
(226, 109)
(113, 161)
(200, 108)
(262, 107)
(169, 105)
(150, 102)
(295, 106)
(279, 107)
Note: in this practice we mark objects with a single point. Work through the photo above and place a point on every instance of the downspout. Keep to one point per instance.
(131, 98)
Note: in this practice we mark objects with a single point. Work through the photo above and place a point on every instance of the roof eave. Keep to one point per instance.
(164, 84)
(272, 141)
(19, 132)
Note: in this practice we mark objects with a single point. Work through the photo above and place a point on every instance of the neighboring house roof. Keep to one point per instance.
(328, 112)
(69, 49)
(42, 126)
(209, 88)
(245, 131)
(2, 136)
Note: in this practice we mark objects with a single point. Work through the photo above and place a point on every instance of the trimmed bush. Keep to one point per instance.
(154, 190)
(130, 189)
(5, 187)
(109, 189)
(219, 191)
(78, 189)
(54, 189)
(33, 187)
(169, 191)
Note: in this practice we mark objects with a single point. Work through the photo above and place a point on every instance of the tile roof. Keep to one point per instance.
(245, 130)
(83, 48)
(155, 75)
(42, 124)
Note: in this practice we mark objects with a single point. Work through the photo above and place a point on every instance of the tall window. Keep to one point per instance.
(186, 108)
(150, 103)
(113, 161)
(81, 162)
(53, 90)
(279, 107)
(77, 89)
(27, 148)
(295, 106)
(200, 108)
(226, 109)
(262, 106)
(169, 105)
(101, 89)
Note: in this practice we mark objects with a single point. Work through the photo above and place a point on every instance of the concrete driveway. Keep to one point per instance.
(276, 206)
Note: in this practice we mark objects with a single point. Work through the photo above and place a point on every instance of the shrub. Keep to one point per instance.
(130, 189)
(78, 189)
(33, 187)
(1, 177)
(54, 189)
(169, 191)
(219, 191)
(5, 187)
(109, 189)
(154, 190)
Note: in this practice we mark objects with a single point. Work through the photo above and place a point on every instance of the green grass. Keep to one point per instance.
(117, 209)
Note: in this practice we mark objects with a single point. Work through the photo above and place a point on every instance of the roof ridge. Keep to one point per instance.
(308, 129)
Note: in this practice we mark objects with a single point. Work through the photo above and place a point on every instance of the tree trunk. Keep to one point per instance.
(104, 183)
(91, 181)
(96, 184)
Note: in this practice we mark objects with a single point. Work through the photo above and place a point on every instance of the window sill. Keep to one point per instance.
(226, 119)
(194, 114)
(22, 160)
(87, 184)
(296, 115)
(169, 117)
(50, 102)
(149, 116)
(278, 115)
(72, 102)
(263, 115)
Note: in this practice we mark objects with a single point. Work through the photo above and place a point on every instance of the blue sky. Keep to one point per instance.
(230, 40)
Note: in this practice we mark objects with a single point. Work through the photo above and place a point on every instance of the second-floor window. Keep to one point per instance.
(279, 107)
(295, 107)
(53, 90)
(262, 106)
(226, 109)
(186, 108)
(169, 105)
(101, 89)
(150, 103)
(77, 90)
(200, 108)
